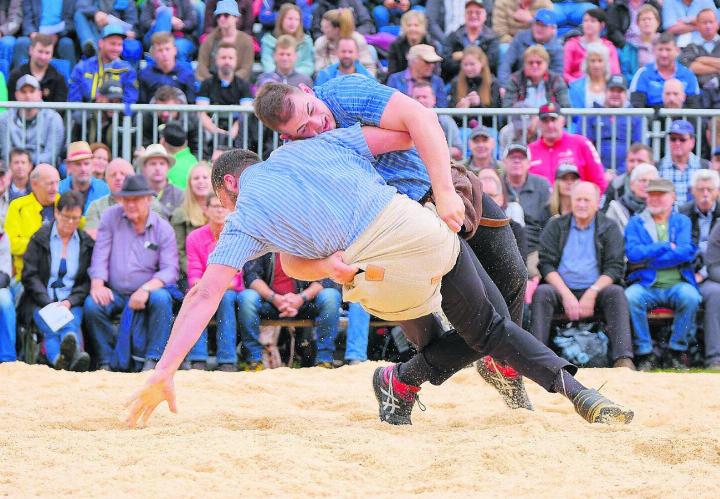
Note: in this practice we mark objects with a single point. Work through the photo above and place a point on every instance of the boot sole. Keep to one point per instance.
(68, 347)
(81, 363)
(615, 415)
(517, 398)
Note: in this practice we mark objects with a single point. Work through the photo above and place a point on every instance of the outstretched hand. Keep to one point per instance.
(142, 403)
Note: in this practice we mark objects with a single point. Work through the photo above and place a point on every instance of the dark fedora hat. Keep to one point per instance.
(135, 185)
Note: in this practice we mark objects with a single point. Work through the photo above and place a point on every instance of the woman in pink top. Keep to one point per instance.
(199, 245)
(592, 25)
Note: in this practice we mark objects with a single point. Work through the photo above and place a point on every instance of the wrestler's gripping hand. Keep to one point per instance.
(142, 403)
(339, 271)
(450, 209)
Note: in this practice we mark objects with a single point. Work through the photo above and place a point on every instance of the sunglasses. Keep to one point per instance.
(678, 139)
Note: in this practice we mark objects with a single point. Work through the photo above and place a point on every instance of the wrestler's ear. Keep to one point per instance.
(231, 183)
(306, 89)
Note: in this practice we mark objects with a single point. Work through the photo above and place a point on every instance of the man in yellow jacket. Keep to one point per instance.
(28, 213)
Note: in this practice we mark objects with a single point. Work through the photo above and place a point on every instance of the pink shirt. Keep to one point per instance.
(573, 149)
(575, 53)
(198, 246)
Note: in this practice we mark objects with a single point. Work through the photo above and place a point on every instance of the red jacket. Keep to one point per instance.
(571, 148)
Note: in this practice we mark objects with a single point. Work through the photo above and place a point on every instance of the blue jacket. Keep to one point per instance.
(399, 81)
(646, 255)
(31, 10)
(333, 70)
(98, 189)
(181, 76)
(621, 137)
(88, 76)
(512, 60)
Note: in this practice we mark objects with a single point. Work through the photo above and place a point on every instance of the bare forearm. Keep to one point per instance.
(197, 309)
(304, 269)
(602, 282)
(556, 281)
(681, 27)
(312, 291)
(404, 114)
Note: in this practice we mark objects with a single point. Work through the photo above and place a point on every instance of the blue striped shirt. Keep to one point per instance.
(310, 198)
(353, 99)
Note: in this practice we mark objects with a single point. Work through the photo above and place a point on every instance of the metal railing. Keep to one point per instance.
(131, 127)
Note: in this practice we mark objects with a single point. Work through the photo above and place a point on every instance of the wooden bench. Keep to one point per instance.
(655, 315)
(292, 325)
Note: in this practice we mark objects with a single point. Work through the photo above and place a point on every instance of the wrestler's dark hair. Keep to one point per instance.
(272, 104)
(232, 162)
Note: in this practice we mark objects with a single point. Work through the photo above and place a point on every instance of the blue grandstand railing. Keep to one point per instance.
(129, 130)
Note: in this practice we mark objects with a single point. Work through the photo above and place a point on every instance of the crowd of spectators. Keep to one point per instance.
(607, 233)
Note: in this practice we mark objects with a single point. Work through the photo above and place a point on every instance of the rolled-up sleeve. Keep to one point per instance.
(235, 247)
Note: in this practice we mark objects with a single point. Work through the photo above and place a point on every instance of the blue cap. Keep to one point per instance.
(113, 30)
(682, 127)
(227, 7)
(716, 151)
(546, 17)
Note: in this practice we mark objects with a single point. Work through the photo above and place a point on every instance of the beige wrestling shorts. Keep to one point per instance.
(404, 254)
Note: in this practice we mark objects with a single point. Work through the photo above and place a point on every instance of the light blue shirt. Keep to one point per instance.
(310, 198)
(353, 99)
(98, 188)
(578, 264)
(72, 260)
(51, 12)
(333, 71)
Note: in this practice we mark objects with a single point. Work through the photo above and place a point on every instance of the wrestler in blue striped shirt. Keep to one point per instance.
(313, 198)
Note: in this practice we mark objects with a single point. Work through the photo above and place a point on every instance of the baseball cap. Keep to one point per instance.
(28, 80)
(479, 3)
(227, 7)
(660, 185)
(566, 168)
(481, 130)
(549, 110)
(111, 90)
(425, 52)
(617, 81)
(113, 30)
(515, 146)
(682, 127)
(546, 17)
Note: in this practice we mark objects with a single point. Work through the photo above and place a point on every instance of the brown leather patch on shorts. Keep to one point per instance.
(374, 273)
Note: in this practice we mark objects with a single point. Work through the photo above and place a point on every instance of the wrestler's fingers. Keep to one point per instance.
(172, 403)
(134, 414)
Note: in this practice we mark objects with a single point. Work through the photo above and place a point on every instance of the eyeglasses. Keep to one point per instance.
(678, 139)
(71, 219)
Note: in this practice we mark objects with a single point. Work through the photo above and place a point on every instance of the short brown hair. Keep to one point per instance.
(99, 145)
(42, 39)
(226, 45)
(232, 162)
(162, 38)
(285, 41)
(636, 147)
(272, 104)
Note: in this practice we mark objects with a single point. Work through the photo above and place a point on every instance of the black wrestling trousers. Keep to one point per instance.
(497, 251)
(475, 307)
